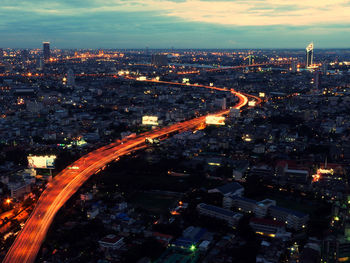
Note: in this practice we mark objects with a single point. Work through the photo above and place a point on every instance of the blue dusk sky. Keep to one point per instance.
(175, 23)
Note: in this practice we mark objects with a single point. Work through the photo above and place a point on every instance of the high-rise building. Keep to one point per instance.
(159, 60)
(40, 64)
(1, 54)
(309, 55)
(294, 66)
(46, 51)
(317, 79)
(324, 68)
(25, 55)
(70, 78)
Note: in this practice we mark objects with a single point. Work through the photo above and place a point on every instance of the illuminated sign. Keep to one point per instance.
(251, 103)
(261, 94)
(150, 120)
(141, 78)
(215, 120)
(310, 47)
(46, 162)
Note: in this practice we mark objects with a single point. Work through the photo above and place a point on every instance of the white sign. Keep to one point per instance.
(150, 120)
(215, 120)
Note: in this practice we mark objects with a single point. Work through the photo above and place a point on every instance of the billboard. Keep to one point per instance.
(150, 120)
(216, 120)
(46, 162)
(252, 103)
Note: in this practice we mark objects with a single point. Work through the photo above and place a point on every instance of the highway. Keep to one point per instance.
(28, 242)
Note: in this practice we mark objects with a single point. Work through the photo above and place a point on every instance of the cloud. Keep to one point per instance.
(179, 23)
(236, 12)
(256, 12)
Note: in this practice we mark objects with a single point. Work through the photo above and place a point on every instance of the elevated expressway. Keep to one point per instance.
(28, 242)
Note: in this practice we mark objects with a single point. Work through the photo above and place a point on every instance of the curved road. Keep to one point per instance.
(67, 182)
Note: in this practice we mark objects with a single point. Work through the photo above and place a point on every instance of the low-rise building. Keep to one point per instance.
(267, 226)
(111, 242)
(230, 217)
(293, 219)
(229, 189)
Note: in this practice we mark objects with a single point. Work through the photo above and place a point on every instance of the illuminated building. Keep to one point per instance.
(159, 60)
(46, 51)
(309, 55)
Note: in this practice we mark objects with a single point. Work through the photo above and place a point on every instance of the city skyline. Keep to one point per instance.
(139, 131)
(179, 24)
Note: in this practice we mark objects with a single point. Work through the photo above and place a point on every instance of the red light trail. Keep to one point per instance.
(68, 181)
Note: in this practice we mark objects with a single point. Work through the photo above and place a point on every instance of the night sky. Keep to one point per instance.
(178, 24)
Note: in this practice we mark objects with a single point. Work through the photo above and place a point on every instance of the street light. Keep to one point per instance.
(8, 201)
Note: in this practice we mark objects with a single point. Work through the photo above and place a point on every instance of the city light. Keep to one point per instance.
(215, 120)
(150, 120)
(46, 162)
(164, 134)
(193, 248)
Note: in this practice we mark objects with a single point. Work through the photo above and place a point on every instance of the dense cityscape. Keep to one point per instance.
(174, 155)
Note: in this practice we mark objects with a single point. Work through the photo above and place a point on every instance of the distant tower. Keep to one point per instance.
(317, 80)
(324, 68)
(250, 59)
(40, 64)
(70, 78)
(310, 55)
(46, 51)
(1, 54)
(294, 66)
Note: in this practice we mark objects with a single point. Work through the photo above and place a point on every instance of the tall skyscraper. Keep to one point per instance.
(309, 55)
(1, 54)
(46, 51)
